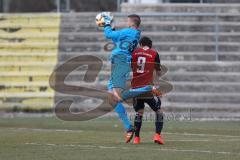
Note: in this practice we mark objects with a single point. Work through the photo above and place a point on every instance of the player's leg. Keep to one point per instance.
(159, 126)
(120, 73)
(138, 105)
(159, 121)
(119, 108)
(122, 114)
(138, 122)
(155, 104)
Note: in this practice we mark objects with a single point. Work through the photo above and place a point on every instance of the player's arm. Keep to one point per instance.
(111, 33)
(157, 68)
(157, 65)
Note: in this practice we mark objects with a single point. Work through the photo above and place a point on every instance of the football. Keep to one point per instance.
(100, 20)
(103, 18)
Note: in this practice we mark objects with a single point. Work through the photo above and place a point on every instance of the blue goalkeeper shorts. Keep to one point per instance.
(121, 68)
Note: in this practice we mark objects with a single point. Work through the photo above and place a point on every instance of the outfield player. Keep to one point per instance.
(144, 61)
(125, 40)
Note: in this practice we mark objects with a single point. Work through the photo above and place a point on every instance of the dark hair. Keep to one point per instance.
(146, 41)
(135, 19)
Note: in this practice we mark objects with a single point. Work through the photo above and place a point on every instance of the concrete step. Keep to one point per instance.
(30, 100)
(28, 37)
(160, 26)
(45, 101)
(193, 27)
(204, 97)
(29, 50)
(155, 36)
(29, 25)
(20, 30)
(177, 97)
(29, 78)
(161, 46)
(174, 66)
(42, 106)
(12, 38)
(201, 115)
(29, 47)
(197, 46)
(15, 39)
(203, 76)
(27, 66)
(24, 77)
(189, 66)
(81, 17)
(27, 95)
(184, 66)
(190, 8)
(25, 87)
(169, 56)
(224, 17)
(178, 86)
(41, 100)
(122, 24)
(27, 58)
(185, 87)
(211, 87)
(199, 56)
(200, 66)
(178, 76)
(201, 106)
(174, 77)
(186, 78)
(29, 16)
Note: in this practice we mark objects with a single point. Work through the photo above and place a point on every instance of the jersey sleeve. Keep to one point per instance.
(157, 63)
(111, 33)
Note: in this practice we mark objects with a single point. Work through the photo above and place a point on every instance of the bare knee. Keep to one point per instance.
(117, 93)
(159, 111)
(140, 112)
(112, 99)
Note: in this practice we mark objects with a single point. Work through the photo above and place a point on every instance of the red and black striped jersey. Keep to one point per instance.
(144, 62)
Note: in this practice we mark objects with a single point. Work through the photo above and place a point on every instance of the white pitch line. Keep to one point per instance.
(45, 130)
(127, 148)
(171, 133)
(202, 135)
(203, 140)
(189, 140)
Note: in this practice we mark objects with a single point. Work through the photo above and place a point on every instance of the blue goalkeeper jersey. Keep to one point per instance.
(125, 40)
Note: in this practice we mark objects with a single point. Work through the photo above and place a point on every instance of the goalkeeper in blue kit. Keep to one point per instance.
(125, 40)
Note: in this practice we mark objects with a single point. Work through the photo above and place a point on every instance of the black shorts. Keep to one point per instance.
(153, 101)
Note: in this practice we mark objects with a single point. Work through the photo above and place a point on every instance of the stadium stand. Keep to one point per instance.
(28, 54)
(187, 45)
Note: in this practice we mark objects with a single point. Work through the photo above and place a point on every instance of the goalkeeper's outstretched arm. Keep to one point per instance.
(111, 33)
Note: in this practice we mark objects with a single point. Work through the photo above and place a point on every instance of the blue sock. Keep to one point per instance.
(135, 92)
(122, 114)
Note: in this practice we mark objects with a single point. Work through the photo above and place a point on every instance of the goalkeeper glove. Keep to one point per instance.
(108, 18)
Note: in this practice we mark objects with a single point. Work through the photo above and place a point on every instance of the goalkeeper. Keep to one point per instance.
(126, 41)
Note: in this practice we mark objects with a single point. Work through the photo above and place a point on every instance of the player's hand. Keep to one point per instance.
(108, 18)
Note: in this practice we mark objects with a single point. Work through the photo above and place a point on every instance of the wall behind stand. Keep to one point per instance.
(13, 6)
(27, 5)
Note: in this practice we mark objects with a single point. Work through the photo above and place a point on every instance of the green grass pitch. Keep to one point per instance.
(102, 139)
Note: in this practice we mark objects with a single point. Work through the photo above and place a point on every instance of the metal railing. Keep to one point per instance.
(172, 1)
(66, 6)
(215, 26)
(63, 5)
